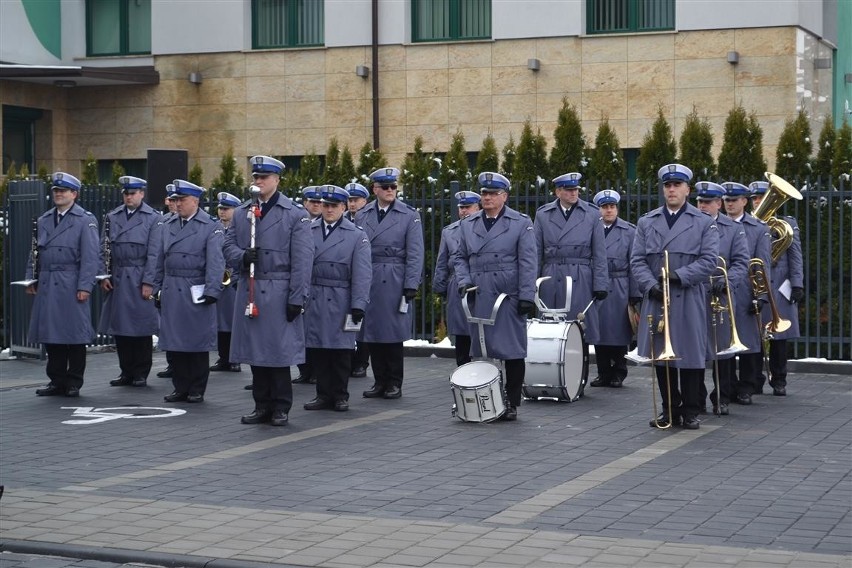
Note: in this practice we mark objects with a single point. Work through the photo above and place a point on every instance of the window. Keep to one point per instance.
(615, 16)
(287, 23)
(118, 27)
(450, 20)
(135, 167)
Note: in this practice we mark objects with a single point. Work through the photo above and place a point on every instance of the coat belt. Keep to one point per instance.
(271, 275)
(126, 262)
(185, 272)
(330, 282)
(567, 260)
(62, 267)
(388, 260)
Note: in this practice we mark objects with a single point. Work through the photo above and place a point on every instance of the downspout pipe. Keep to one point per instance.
(375, 66)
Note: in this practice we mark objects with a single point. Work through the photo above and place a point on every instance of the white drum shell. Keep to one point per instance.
(557, 363)
(478, 394)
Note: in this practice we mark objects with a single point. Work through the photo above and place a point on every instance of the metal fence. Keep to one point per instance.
(824, 218)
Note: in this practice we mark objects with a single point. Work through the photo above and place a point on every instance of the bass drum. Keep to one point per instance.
(478, 392)
(557, 363)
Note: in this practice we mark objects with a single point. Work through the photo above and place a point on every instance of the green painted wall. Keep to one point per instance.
(44, 18)
(843, 64)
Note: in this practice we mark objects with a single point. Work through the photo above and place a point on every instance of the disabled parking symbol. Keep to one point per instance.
(92, 415)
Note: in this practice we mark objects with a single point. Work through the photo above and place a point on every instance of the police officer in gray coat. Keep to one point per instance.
(692, 241)
(225, 306)
(273, 339)
(127, 313)
(614, 326)
(155, 245)
(444, 281)
(358, 196)
(312, 202)
(787, 275)
(190, 267)
(733, 249)
(340, 287)
(396, 245)
(65, 269)
(497, 254)
(570, 241)
(747, 311)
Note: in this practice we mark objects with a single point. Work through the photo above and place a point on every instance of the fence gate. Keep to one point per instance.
(27, 200)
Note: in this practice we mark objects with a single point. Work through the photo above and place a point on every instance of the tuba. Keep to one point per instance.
(779, 192)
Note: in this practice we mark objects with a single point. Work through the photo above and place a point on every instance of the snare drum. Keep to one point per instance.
(557, 363)
(478, 392)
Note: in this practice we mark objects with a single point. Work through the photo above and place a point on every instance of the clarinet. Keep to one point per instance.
(34, 246)
(107, 249)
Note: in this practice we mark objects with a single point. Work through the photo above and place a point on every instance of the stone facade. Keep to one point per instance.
(290, 102)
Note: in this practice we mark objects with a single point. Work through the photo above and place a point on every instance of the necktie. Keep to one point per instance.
(567, 212)
(382, 214)
(489, 222)
(130, 213)
(328, 229)
(182, 223)
(607, 230)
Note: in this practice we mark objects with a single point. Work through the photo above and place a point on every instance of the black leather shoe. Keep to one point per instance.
(175, 397)
(600, 382)
(779, 391)
(195, 397)
(743, 398)
(256, 417)
(235, 368)
(691, 423)
(279, 418)
(72, 392)
(49, 390)
(703, 409)
(393, 392)
(319, 404)
(341, 405)
(301, 380)
(377, 391)
(121, 381)
(616, 383)
(510, 415)
(221, 366)
(248, 387)
(140, 382)
(662, 421)
(723, 409)
(359, 373)
(166, 373)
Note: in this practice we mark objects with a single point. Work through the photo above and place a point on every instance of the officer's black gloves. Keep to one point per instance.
(526, 308)
(251, 255)
(656, 293)
(635, 301)
(207, 300)
(599, 295)
(462, 291)
(797, 294)
(293, 311)
(357, 315)
(719, 287)
(409, 293)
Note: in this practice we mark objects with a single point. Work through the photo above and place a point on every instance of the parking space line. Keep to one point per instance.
(555, 496)
(233, 452)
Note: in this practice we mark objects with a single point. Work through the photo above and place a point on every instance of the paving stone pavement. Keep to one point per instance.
(401, 483)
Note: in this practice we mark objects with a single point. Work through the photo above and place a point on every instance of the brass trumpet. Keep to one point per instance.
(716, 305)
(759, 286)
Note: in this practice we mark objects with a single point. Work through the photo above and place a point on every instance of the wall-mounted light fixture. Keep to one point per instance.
(733, 57)
(848, 77)
(533, 64)
(822, 63)
(64, 83)
(195, 78)
(362, 71)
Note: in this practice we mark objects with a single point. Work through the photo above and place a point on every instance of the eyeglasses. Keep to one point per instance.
(389, 186)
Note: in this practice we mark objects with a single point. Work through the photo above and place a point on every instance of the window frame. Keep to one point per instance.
(455, 23)
(291, 20)
(633, 6)
(124, 31)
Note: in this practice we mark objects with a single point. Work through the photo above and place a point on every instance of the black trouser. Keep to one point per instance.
(777, 362)
(462, 349)
(191, 369)
(306, 369)
(66, 364)
(223, 343)
(726, 371)
(515, 372)
(387, 363)
(751, 365)
(271, 388)
(611, 362)
(360, 356)
(134, 355)
(685, 389)
(331, 368)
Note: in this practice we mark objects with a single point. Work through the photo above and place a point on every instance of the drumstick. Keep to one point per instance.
(582, 315)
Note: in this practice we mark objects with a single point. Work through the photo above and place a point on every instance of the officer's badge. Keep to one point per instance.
(218, 231)
(672, 168)
(58, 176)
(489, 176)
(258, 160)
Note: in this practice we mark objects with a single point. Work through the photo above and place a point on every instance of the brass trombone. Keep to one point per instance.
(760, 286)
(736, 345)
(668, 353)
